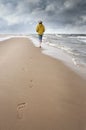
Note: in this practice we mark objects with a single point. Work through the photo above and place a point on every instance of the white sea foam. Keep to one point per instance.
(11, 36)
(5, 38)
(83, 40)
(81, 36)
(74, 61)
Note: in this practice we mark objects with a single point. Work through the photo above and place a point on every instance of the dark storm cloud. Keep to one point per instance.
(57, 14)
(75, 13)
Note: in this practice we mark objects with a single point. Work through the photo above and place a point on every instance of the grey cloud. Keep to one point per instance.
(56, 14)
(68, 15)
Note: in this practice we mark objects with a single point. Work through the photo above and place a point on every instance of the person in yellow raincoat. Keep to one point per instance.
(40, 29)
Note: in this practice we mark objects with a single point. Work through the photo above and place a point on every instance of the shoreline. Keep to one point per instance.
(58, 54)
(49, 50)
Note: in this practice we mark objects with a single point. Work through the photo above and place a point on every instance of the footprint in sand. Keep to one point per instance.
(31, 58)
(20, 110)
(31, 83)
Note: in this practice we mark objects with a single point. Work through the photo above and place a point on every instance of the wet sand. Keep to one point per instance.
(38, 92)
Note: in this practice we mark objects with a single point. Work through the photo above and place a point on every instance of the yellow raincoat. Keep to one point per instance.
(40, 29)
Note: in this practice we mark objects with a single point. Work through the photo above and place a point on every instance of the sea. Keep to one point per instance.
(68, 48)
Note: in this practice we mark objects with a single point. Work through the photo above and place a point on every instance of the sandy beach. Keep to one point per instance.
(38, 92)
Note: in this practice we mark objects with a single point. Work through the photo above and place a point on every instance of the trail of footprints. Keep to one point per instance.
(31, 81)
(21, 106)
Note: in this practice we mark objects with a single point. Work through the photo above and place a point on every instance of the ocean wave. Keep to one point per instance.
(70, 51)
(82, 40)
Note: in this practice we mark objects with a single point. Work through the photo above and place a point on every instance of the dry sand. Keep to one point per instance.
(38, 92)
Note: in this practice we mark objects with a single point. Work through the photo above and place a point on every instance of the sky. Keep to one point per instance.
(58, 16)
